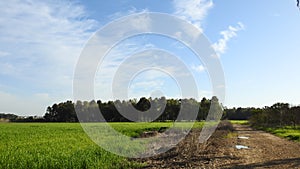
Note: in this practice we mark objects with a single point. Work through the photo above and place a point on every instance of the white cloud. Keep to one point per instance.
(193, 11)
(154, 68)
(43, 35)
(44, 22)
(110, 64)
(43, 40)
(120, 14)
(221, 45)
(199, 68)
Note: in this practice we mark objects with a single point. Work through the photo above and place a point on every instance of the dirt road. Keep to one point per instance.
(264, 151)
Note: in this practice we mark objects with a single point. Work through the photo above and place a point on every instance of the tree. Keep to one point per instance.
(204, 108)
(62, 112)
(143, 104)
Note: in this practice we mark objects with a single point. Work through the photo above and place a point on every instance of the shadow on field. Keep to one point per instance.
(293, 163)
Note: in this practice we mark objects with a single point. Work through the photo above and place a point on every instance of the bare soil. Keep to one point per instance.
(265, 151)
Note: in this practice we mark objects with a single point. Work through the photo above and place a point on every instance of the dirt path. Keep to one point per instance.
(265, 151)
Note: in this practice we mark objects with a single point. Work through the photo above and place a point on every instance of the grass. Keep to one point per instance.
(50, 145)
(231, 135)
(63, 145)
(288, 132)
(241, 122)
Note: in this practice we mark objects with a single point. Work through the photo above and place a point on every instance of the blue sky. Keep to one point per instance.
(40, 43)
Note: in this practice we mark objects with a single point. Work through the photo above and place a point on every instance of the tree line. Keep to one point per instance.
(279, 114)
(7, 117)
(89, 111)
(168, 110)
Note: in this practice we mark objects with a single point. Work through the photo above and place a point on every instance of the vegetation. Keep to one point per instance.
(288, 132)
(62, 145)
(280, 119)
(65, 145)
(48, 145)
(65, 111)
(9, 117)
(278, 115)
(241, 122)
(240, 113)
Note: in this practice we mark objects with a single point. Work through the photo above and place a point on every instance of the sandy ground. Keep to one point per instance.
(265, 151)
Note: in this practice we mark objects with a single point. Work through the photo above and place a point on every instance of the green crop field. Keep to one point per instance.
(62, 145)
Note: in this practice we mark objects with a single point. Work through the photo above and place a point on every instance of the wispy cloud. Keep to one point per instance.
(156, 67)
(120, 14)
(199, 68)
(193, 11)
(44, 32)
(108, 67)
(41, 41)
(221, 45)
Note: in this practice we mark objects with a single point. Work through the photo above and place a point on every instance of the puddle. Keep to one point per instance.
(243, 137)
(241, 147)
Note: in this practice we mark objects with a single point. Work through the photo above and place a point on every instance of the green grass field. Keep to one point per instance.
(62, 145)
(288, 132)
